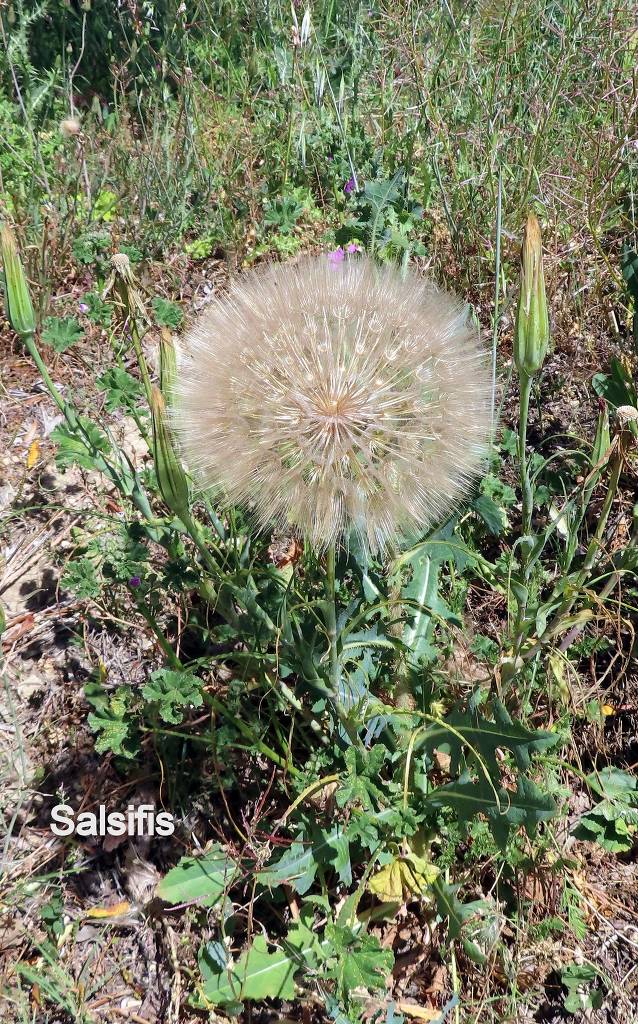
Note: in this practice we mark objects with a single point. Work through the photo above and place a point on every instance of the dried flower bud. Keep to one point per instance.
(627, 417)
(18, 300)
(123, 283)
(531, 335)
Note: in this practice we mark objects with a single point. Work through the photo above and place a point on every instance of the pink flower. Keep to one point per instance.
(83, 307)
(336, 256)
(349, 186)
(353, 248)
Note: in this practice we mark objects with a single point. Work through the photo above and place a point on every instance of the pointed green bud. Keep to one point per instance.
(531, 334)
(602, 440)
(171, 478)
(167, 364)
(18, 301)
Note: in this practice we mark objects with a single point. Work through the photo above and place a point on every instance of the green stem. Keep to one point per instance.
(30, 344)
(141, 361)
(526, 485)
(247, 732)
(593, 549)
(331, 619)
(195, 531)
(596, 542)
(214, 703)
(255, 743)
(171, 657)
(290, 121)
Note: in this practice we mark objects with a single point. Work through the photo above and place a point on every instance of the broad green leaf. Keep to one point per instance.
(123, 391)
(298, 865)
(339, 855)
(468, 797)
(81, 578)
(258, 974)
(614, 784)
(82, 447)
(616, 386)
(490, 513)
(613, 822)
(381, 194)
(607, 828)
(485, 736)
(359, 787)
(105, 206)
(111, 719)
(173, 692)
(167, 313)
(458, 914)
(202, 880)
(61, 332)
(423, 591)
(578, 980)
(361, 962)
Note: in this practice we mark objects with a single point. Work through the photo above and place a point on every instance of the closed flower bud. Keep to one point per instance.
(602, 440)
(531, 335)
(18, 301)
(167, 364)
(171, 479)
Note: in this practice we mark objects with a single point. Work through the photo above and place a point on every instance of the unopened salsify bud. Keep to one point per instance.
(531, 334)
(18, 300)
(171, 478)
(167, 364)
(602, 440)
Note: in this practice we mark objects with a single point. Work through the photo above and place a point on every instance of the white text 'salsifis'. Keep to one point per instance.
(332, 398)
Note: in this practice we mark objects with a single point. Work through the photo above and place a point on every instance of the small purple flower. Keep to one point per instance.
(353, 247)
(135, 581)
(83, 307)
(349, 185)
(336, 256)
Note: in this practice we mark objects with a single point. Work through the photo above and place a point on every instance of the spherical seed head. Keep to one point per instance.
(335, 397)
(70, 126)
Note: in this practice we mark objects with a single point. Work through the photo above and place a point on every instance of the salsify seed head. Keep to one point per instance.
(334, 398)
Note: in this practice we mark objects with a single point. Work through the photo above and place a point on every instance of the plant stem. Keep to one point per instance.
(141, 361)
(214, 703)
(593, 549)
(526, 486)
(32, 349)
(596, 542)
(331, 618)
(497, 295)
(171, 657)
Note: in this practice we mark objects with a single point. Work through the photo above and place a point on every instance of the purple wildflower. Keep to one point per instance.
(349, 185)
(83, 307)
(353, 247)
(135, 581)
(336, 256)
